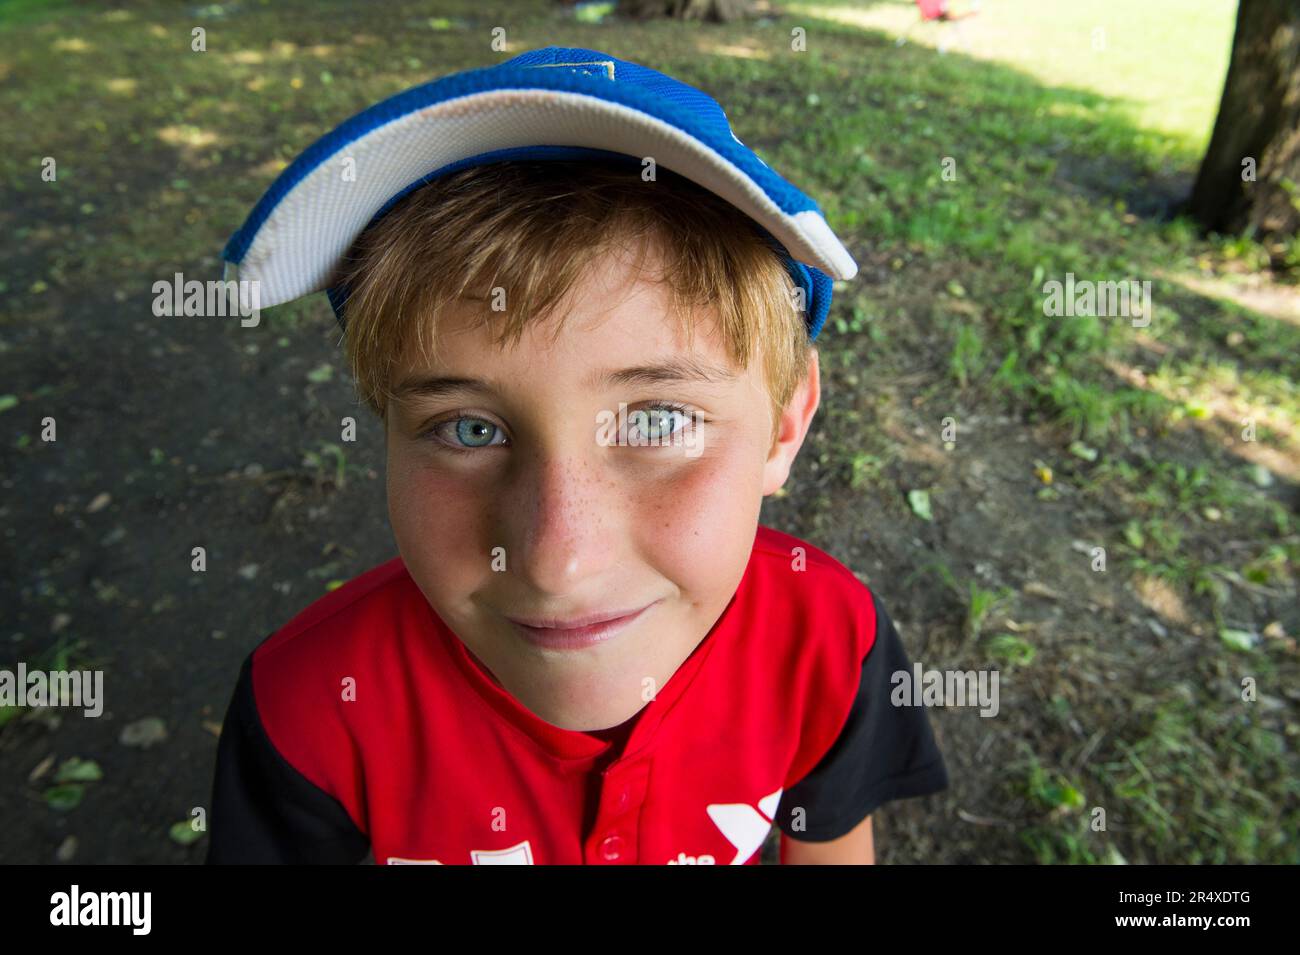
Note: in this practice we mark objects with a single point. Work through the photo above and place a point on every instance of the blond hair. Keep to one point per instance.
(533, 229)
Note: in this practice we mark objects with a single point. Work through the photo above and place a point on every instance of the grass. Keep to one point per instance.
(1197, 783)
(1031, 201)
(1138, 57)
(978, 603)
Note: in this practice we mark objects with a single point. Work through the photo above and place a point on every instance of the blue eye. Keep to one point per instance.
(655, 424)
(470, 432)
(475, 432)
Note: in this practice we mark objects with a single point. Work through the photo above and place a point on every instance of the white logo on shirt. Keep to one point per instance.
(522, 854)
(744, 826)
(684, 859)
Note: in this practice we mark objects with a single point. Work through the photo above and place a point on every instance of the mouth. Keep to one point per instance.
(578, 633)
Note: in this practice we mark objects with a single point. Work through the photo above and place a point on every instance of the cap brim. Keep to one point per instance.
(295, 239)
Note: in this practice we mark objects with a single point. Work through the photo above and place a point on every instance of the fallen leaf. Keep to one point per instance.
(41, 769)
(143, 733)
(184, 833)
(67, 849)
(1237, 639)
(1035, 589)
(77, 770)
(1081, 450)
(320, 374)
(63, 798)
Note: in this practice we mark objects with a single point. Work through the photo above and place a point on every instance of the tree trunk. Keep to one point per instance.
(1249, 181)
(714, 11)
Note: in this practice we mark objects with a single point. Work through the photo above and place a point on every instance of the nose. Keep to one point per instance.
(560, 518)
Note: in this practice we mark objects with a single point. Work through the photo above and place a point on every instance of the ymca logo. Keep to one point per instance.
(744, 826)
(521, 854)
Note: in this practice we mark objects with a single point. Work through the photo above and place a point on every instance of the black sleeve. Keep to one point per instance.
(263, 809)
(883, 753)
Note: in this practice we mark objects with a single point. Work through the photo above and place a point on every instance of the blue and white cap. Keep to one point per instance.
(552, 103)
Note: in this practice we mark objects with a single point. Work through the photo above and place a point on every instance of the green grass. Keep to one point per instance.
(1181, 782)
(1046, 173)
(1160, 64)
(977, 602)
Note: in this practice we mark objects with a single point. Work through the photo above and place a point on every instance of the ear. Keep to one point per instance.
(796, 418)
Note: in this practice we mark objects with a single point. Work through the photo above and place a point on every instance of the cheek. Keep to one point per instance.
(699, 523)
(437, 521)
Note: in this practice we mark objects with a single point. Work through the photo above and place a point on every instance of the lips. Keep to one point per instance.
(578, 632)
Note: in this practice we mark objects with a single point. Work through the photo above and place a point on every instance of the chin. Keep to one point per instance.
(585, 720)
(581, 701)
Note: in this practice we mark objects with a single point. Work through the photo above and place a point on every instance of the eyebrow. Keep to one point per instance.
(672, 371)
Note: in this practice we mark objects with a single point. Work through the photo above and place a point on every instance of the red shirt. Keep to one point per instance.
(366, 724)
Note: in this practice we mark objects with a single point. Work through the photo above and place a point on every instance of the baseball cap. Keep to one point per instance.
(561, 103)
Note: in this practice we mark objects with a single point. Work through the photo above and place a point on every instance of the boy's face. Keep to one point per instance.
(539, 515)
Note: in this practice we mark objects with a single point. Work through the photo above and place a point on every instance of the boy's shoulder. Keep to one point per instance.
(353, 635)
(349, 621)
(336, 620)
(800, 554)
(830, 656)
(792, 576)
(351, 644)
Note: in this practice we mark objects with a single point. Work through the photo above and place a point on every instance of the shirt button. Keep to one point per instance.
(612, 847)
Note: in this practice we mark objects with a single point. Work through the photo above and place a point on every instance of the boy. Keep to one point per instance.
(567, 292)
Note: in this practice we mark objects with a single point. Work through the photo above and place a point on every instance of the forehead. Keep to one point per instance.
(617, 327)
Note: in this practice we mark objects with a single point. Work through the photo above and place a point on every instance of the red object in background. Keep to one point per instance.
(938, 10)
(941, 11)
